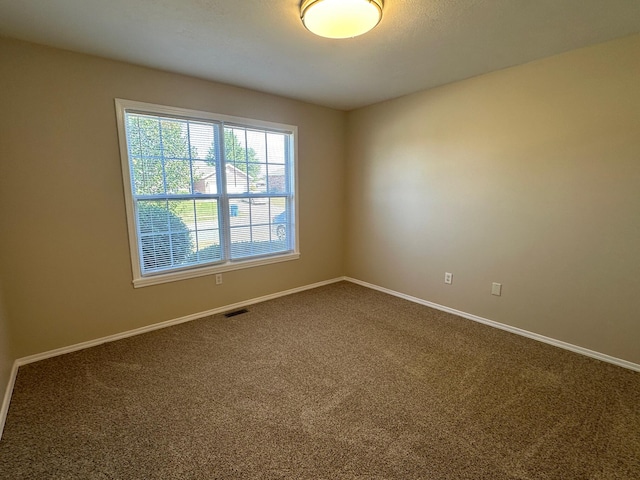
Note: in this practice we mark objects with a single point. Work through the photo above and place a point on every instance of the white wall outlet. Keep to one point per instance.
(496, 289)
(448, 278)
(218, 279)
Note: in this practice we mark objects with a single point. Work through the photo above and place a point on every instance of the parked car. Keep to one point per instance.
(280, 225)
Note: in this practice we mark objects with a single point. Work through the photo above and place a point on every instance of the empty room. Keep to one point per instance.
(343, 239)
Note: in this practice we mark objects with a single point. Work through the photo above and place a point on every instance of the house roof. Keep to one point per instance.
(207, 171)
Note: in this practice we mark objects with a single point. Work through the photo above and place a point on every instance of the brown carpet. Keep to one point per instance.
(337, 382)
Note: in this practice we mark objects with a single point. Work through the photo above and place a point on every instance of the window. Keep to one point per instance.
(205, 193)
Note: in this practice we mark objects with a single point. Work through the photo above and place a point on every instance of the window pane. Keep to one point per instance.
(178, 176)
(156, 252)
(258, 184)
(177, 233)
(143, 135)
(239, 212)
(237, 179)
(175, 143)
(236, 160)
(171, 156)
(183, 169)
(260, 211)
(165, 240)
(202, 137)
(209, 246)
(204, 177)
(148, 177)
(259, 226)
(275, 170)
(200, 217)
(258, 157)
(244, 154)
(276, 148)
(280, 222)
(276, 178)
(208, 231)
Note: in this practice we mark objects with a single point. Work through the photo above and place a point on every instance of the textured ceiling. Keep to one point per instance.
(261, 44)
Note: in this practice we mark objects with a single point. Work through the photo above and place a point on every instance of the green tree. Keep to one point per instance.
(160, 164)
(244, 159)
(159, 153)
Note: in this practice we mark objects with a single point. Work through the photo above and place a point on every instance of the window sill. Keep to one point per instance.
(201, 272)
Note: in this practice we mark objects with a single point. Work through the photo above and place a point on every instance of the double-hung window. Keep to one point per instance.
(205, 193)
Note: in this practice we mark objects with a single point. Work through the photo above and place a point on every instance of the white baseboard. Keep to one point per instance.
(4, 410)
(138, 331)
(156, 326)
(518, 331)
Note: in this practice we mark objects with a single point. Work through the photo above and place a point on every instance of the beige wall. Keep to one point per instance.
(6, 354)
(529, 177)
(64, 247)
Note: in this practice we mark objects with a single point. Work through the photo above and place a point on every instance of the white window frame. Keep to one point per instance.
(140, 280)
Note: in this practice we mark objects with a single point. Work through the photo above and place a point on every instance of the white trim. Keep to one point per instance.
(168, 323)
(121, 107)
(157, 326)
(180, 112)
(128, 195)
(138, 331)
(7, 396)
(201, 272)
(518, 331)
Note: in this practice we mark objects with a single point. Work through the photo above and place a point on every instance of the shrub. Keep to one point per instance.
(164, 238)
(208, 254)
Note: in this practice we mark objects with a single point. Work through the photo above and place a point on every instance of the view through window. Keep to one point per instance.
(206, 191)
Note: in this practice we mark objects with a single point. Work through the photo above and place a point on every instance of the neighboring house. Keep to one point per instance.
(276, 178)
(237, 180)
(276, 183)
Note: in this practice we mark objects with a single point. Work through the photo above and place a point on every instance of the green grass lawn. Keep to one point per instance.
(204, 210)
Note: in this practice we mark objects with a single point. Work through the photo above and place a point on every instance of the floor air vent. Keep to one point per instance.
(236, 312)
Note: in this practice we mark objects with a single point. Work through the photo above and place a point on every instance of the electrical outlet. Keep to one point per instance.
(448, 278)
(218, 279)
(496, 289)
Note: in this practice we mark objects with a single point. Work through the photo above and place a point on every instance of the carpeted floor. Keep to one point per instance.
(338, 382)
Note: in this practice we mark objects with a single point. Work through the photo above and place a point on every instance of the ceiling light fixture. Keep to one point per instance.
(340, 18)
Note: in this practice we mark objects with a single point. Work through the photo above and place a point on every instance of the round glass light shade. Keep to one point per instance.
(341, 18)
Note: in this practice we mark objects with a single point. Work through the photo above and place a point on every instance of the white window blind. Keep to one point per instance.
(205, 190)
